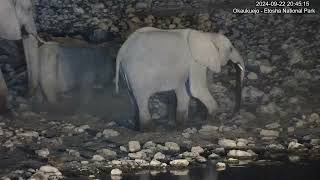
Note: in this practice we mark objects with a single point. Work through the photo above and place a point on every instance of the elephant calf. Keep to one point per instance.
(155, 60)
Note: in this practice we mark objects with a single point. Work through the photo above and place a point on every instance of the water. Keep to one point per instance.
(306, 171)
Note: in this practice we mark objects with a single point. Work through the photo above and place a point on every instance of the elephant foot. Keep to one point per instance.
(212, 116)
(147, 126)
(181, 119)
(31, 92)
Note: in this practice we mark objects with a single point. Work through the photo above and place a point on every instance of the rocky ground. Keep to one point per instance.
(279, 120)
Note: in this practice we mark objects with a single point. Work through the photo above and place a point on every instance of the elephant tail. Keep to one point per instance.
(117, 74)
(118, 64)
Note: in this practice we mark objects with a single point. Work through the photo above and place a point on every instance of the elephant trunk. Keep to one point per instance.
(240, 72)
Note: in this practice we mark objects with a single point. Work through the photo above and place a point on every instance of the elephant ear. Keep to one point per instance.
(204, 51)
(9, 25)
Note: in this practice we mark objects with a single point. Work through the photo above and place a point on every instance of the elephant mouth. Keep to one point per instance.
(24, 31)
(239, 85)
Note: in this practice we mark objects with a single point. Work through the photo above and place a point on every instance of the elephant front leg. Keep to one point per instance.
(182, 106)
(199, 88)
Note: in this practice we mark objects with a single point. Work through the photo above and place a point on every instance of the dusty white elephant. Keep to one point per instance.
(155, 60)
(16, 23)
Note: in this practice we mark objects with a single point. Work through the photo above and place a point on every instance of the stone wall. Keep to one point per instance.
(101, 20)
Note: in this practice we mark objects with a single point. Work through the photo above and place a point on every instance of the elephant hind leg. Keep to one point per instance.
(183, 99)
(199, 88)
(142, 99)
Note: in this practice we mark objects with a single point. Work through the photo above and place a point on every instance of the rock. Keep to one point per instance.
(270, 108)
(239, 154)
(179, 163)
(191, 155)
(155, 163)
(241, 143)
(275, 147)
(141, 162)
(300, 123)
(51, 172)
(269, 133)
(172, 147)
(232, 161)
(159, 156)
(213, 156)
(73, 153)
(220, 150)
(37, 176)
(134, 146)
(295, 56)
(276, 92)
(149, 145)
(315, 142)
(290, 129)
(97, 158)
(141, 5)
(197, 149)
(107, 154)
(28, 134)
(294, 158)
(84, 162)
(208, 130)
(251, 94)
(43, 152)
(294, 145)
(201, 159)
(188, 132)
(252, 76)
(82, 128)
(138, 155)
(123, 149)
(116, 172)
(266, 69)
(314, 118)
(274, 125)
(220, 166)
(110, 133)
(162, 148)
(227, 143)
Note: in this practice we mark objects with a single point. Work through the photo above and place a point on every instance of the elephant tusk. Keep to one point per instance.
(239, 65)
(38, 39)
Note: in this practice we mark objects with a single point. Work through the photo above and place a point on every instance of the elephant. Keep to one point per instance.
(17, 23)
(16, 19)
(67, 66)
(154, 60)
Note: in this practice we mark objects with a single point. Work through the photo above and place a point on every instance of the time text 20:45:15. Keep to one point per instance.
(282, 3)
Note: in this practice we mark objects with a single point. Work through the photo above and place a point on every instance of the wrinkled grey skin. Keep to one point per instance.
(16, 18)
(155, 60)
(16, 23)
(71, 69)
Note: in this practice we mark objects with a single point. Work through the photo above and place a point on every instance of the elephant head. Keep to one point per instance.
(214, 50)
(16, 19)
